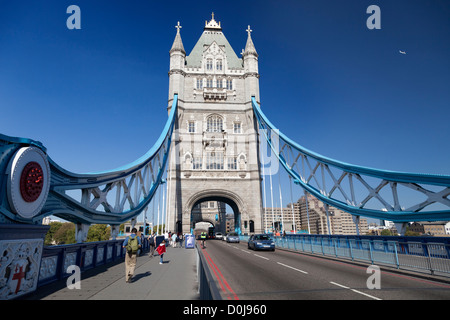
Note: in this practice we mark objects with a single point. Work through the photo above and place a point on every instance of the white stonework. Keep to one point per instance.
(214, 154)
(19, 267)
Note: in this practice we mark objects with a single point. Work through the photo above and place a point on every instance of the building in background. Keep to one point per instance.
(310, 216)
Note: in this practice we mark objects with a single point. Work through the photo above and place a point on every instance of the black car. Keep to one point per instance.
(261, 242)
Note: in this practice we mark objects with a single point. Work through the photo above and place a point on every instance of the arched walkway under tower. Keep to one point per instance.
(240, 225)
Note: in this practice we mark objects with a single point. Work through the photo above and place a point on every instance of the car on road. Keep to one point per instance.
(261, 242)
(233, 237)
(219, 236)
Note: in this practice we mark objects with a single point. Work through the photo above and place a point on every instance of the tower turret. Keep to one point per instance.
(176, 69)
(251, 74)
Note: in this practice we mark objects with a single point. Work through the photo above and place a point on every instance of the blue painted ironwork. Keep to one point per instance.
(109, 197)
(333, 182)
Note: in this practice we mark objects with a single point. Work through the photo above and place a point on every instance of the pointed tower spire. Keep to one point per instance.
(249, 47)
(251, 75)
(176, 68)
(177, 43)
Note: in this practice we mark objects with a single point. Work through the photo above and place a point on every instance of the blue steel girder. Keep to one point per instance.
(361, 191)
(109, 197)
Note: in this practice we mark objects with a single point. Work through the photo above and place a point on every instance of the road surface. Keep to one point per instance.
(244, 274)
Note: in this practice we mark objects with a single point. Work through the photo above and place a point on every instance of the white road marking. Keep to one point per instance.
(261, 256)
(285, 265)
(356, 291)
(365, 294)
(339, 285)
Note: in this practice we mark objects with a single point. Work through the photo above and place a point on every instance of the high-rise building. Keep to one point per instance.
(314, 218)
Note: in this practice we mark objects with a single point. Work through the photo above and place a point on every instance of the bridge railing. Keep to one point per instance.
(427, 257)
(56, 260)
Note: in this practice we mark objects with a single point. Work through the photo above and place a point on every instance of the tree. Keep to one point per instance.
(49, 237)
(387, 232)
(160, 227)
(65, 234)
(98, 232)
(410, 233)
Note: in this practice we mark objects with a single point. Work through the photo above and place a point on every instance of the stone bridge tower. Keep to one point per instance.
(214, 155)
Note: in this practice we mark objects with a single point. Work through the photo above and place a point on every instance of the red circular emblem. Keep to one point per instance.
(31, 182)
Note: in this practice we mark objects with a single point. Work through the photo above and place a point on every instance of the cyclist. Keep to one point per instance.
(203, 237)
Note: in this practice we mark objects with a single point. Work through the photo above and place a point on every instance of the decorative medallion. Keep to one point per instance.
(28, 182)
(31, 182)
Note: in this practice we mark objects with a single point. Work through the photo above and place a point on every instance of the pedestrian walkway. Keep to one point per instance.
(175, 279)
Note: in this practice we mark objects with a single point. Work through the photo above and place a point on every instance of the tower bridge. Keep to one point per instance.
(215, 146)
(216, 142)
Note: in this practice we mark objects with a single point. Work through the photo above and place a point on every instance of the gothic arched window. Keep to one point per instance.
(229, 84)
(214, 123)
(209, 64)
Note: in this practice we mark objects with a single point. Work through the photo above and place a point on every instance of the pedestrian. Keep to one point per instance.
(166, 236)
(180, 240)
(151, 241)
(132, 244)
(161, 250)
(141, 250)
(174, 240)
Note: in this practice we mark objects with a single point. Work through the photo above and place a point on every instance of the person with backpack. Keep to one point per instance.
(132, 244)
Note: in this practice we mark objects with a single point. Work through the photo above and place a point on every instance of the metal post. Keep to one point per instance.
(370, 250)
(328, 219)
(163, 210)
(335, 248)
(265, 205)
(166, 203)
(356, 220)
(321, 243)
(153, 212)
(281, 206)
(271, 194)
(396, 255)
(168, 192)
(292, 205)
(159, 202)
(307, 212)
(351, 251)
(430, 266)
(145, 222)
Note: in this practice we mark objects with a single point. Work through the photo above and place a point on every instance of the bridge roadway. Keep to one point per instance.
(244, 274)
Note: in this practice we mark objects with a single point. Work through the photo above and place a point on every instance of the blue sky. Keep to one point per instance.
(96, 97)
